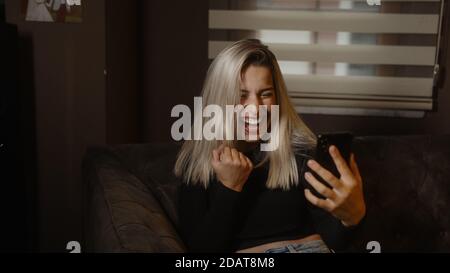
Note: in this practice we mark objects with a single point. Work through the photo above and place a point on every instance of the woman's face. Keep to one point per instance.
(257, 88)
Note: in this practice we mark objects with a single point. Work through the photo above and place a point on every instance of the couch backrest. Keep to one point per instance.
(407, 191)
(153, 164)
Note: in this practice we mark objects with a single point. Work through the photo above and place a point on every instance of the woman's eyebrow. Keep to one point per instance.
(266, 89)
(261, 90)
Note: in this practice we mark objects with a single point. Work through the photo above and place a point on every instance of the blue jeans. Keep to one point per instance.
(316, 246)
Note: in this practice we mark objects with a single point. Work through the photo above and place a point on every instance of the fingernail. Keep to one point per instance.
(311, 163)
(307, 174)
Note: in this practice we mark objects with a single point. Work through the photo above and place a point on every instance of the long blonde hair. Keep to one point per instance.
(221, 87)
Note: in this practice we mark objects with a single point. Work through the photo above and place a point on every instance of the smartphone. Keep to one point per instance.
(342, 140)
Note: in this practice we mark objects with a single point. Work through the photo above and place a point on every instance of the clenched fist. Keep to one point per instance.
(232, 168)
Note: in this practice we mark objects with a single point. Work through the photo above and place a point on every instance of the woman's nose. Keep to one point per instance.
(253, 100)
(252, 109)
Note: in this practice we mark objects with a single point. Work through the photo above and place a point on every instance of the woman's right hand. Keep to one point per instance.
(232, 167)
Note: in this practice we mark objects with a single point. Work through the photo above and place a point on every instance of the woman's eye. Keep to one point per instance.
(266, 94)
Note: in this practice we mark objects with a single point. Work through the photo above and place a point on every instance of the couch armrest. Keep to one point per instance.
(121, 214)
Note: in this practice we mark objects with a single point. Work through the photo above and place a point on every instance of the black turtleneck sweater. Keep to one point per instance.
(219, 219)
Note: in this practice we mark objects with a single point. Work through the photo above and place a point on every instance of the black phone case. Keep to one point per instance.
(343, 141)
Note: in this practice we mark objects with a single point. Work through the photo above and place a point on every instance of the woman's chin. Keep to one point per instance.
(252, 137)
(251, 134)
(248, 140)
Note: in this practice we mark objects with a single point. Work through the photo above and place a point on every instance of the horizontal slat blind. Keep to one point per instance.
(361, 85)
(356, 54)
(313, 89)
(323, 21)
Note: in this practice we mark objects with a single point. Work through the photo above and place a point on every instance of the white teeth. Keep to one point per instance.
(252, 121)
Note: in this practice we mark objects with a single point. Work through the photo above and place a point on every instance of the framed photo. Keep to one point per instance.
(62, 11)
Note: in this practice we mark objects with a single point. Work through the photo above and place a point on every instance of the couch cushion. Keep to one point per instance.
(122, 213)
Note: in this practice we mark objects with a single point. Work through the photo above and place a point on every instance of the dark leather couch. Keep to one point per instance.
(131, 196)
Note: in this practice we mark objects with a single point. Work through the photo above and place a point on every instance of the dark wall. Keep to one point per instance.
(69, 87)
(84, 81)
(174, 59)
(2, 10)
(16, 150)
(122, 76)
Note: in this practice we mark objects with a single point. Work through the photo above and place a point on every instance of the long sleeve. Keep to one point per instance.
(337, 236)
(207, 216)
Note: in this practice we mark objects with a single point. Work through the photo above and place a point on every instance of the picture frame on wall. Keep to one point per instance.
(60, 11)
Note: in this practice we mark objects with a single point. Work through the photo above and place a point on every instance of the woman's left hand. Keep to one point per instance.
(345, 200)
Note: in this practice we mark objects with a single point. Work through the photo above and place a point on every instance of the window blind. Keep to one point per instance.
(342, 57)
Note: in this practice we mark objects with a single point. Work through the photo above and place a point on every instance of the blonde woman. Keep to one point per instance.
(237, 198)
